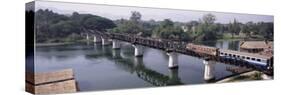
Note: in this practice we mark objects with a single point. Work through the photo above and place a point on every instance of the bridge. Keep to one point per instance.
(136, 66)
(173, 48)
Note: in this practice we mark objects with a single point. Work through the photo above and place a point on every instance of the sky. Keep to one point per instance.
(118, 12)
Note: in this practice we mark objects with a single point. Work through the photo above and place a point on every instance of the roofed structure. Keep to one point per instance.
(261, 47)
(256, 44)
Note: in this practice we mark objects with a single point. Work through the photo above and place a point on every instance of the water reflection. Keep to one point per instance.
(136, 65)
(232, 45)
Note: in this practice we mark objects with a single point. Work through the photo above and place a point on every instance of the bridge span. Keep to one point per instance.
(173, 48)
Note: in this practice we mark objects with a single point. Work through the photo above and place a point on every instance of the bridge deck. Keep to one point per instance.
(179, 47)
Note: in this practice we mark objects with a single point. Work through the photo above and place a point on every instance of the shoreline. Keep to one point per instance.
(239, 39)
(52, 44)
(247, 77)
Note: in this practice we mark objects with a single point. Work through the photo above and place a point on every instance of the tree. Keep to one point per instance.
(135, 17)
(207, 29)
(167, 23)
(128, 27)
(98, 23)
(62, 29)
(234, 28)
(167, 30)
(209, 19)
(44, 20)
(191, 24)
(246, 30)
(132, 26)
(54, 27)
(266, 29)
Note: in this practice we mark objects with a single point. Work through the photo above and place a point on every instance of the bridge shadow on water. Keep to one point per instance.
(126, 61)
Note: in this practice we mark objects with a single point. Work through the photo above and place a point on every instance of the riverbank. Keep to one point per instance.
(230, 39)
(247, 76)
(240, 37)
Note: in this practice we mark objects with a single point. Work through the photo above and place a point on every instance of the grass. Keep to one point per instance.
(255, 76)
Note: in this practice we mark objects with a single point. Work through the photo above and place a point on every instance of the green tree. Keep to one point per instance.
(98, 23)
(209, 19)
(234, 28)
(167, 30)
(246, 30)
(54, 27)
(132, 26)
(135, 17)
(207, 29)
(266, 30)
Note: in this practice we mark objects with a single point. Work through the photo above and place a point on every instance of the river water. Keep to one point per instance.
(98, 67)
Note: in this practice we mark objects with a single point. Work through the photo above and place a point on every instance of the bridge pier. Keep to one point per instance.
(115, 44)
(97, 39)
(105, 41)
(87, 37)
(138, 50)
(209, 69)
(173, 60)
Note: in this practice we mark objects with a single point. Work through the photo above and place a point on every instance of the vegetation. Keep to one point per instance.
(234, 28)
(167, 30)
(133, 26)
(207, 29)
(54, 28)
(254, 76)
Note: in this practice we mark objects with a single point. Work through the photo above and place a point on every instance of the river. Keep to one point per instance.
(98, 67)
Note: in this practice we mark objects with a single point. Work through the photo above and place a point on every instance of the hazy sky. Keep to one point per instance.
(117, 12)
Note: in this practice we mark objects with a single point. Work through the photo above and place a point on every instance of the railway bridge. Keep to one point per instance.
(172, 48)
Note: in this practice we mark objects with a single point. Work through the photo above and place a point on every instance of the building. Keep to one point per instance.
(184, 28)
(191, 29)
(260, 47)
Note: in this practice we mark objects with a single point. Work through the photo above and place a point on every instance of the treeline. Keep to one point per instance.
(164, 29)
(53, 27)
(205, 29)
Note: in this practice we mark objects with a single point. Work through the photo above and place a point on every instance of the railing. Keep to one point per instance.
(163, 44)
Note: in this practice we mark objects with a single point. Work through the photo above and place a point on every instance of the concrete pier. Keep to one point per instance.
(105, 41)
(138, 50)
(116, 44)
(97, 39)
(173, 60)
(209, 69)
(87, 37)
